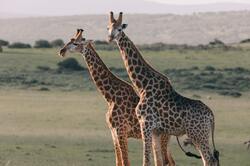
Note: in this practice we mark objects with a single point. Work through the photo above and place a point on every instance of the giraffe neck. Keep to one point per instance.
(99, 72)
(140, 72)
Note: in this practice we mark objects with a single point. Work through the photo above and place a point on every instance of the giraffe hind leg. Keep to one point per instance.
(123, 141)
(166, 154)
(205, 151)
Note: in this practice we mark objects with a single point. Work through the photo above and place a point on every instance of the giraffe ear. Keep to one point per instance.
(124, 26)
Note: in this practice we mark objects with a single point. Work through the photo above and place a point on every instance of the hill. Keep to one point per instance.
(198, 28)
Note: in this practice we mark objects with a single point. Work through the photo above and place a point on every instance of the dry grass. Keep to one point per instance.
(68, 128)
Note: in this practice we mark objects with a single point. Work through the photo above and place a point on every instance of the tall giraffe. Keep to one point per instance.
(161, 109)
(120, 97)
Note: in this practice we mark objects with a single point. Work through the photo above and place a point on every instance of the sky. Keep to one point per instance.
(77, 7)
(192, 2)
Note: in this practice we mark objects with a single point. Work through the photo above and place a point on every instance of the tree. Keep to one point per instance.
(4, 42)
(42, 44)
(57, 43)
(19, 45)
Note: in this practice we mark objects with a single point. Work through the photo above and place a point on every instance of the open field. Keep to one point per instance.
(69, 129)
(65, 125)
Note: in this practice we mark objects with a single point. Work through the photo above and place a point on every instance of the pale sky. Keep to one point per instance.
(192, 2)
(77, 7)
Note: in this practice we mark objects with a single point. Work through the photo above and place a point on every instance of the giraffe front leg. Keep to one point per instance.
(123, 141)
(166, 154)
(118, 155)
(147, 143)
(158, 158)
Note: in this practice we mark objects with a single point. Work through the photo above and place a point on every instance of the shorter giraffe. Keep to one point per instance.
(121, 99)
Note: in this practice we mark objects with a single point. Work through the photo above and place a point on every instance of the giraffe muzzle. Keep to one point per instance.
(62, 52)
(110, 38)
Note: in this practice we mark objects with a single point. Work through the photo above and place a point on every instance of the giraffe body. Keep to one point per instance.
(122, 101)
(161, 109)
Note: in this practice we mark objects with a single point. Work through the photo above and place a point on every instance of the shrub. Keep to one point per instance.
(216, 42)
(103, 45)
(43, 68)
(97, 42)
(245, 41)
(1, 50)
(19, 45)
(154, 46)
(194, 68)
(70, 64)
(57, 43)
(4, 42)
(230, 93)
(42, 44)
(210, 68)
(44, 89)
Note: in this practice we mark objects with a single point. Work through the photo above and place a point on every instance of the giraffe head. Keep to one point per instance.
(76, 44)
(115, 27)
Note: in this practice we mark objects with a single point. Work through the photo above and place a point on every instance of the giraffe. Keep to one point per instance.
(121, 99)
(161, 109)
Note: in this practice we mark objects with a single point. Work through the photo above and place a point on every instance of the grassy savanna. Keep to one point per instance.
(65, 125)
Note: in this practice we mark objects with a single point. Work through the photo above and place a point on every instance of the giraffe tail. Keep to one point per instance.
(216, 153)
(189, 154)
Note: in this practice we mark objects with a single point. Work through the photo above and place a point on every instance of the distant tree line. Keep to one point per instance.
(104, 45)
(216, 43)
(38, 44)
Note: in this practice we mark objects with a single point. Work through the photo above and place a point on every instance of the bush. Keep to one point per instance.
(44, 89)
(216, 42)
(210, 68)
(245, 41)
(4, 42)
(57, 43)
(42, 44)
(103, 45)
(230, 93)
(101, 42)
(19, 45)
(70, 64)
(154, 46)
(43, 68)
(1, 50)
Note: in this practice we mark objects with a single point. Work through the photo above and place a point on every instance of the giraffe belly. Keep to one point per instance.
(171, 127)
(171, 130)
